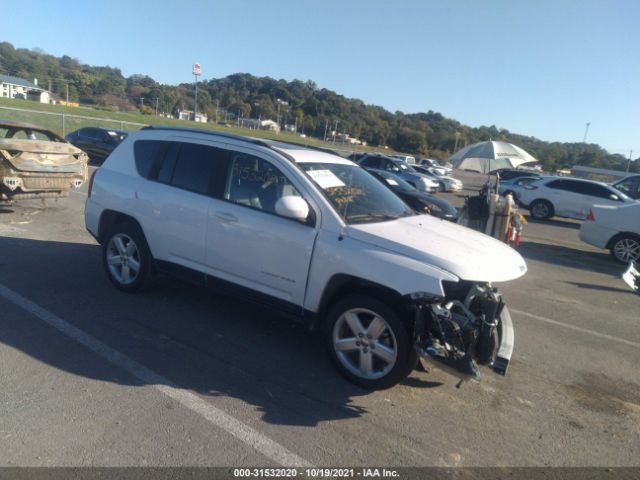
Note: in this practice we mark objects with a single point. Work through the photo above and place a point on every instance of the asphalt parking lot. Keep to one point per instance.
(178, 376)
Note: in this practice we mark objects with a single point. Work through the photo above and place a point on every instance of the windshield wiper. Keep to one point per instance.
(372, 216)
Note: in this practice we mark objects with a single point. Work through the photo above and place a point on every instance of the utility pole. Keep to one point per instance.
(326, 126)
(280, 102)
(335, 129)
(216, 111)
(586, 130)
(195, 101)
(141, 102)
(156, 106)
(629, 162)
(196, 71)
(455, 147)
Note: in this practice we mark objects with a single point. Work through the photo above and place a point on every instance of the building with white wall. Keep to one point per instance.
(16, 87)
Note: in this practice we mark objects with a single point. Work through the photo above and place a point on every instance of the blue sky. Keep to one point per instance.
(537, 67)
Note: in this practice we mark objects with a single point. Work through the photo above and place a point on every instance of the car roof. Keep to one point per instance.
(293, 151)
(27, 126)
(524, 177)
(633, 175)
(582, 180)
(109, 130)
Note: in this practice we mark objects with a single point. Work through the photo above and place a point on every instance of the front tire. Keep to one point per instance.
(541, 209)
(625, 247)
(368, 342)
(126, 257)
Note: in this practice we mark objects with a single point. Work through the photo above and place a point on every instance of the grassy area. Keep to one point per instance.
(63, 120)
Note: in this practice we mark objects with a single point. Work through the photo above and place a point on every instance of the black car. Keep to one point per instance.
(511, 173)
(418, 201)
(97, 142)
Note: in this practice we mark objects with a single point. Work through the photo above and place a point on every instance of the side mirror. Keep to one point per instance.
(294, 207)
(615, 197)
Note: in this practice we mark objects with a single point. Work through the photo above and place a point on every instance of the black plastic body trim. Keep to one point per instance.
(225, 287)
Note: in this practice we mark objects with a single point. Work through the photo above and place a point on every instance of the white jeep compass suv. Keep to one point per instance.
(313, 235)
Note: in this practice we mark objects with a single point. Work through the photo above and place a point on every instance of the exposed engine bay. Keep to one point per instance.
(470, 327)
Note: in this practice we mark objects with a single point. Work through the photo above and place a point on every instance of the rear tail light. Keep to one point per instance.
(91, 182)
(591, 217)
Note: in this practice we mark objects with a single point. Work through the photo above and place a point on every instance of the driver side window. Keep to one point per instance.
(256, 183)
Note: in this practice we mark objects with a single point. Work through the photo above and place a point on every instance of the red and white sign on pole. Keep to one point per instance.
(196, 69)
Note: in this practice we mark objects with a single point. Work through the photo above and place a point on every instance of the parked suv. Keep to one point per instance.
(313, 235)
(422, 182)
(567, 197)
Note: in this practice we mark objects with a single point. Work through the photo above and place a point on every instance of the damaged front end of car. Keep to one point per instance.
(468, 328)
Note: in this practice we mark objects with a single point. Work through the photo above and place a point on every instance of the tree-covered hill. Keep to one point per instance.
(312, 109)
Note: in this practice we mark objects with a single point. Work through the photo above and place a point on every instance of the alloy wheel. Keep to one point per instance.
(365, 343)
(540, 210)
(123, 259)
(627, 249)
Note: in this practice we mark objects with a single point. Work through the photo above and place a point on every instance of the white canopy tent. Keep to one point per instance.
(487, 157)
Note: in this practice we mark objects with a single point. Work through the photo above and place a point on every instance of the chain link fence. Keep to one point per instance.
(64, 123)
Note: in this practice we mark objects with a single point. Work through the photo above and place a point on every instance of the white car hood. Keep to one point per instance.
(468, 254)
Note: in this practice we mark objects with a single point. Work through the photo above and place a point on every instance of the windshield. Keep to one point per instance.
(396, 182)
(117, 137)
(355, 194)
(403, 166)
(623, 196)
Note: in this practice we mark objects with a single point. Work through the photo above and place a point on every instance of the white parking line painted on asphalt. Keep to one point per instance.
(267, 447)
(574, 327)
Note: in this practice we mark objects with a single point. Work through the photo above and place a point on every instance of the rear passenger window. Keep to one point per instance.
(168, 163)
(146, 154)
(194, 167)
(558, 184)
(371, 162)
(596, 190)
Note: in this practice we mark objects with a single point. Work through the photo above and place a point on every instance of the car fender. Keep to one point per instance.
(336, 254)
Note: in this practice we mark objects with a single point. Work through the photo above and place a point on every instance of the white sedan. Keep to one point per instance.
(614, 228)
(568, 197)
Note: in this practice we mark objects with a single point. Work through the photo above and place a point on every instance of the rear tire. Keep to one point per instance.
(369, 343)
(126, 257)
(541, 209)
(625, 247)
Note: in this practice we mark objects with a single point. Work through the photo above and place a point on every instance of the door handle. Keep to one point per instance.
(226, 217)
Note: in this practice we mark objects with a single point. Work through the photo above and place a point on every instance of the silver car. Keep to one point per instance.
(406, 172)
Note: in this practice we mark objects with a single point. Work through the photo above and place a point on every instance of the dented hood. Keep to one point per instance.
(468, 254)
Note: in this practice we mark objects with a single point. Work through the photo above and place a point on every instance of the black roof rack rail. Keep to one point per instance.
(271, 144)
(301, 145)
(207, 132)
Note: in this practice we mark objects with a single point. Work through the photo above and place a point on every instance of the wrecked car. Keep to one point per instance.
(37, 163)
(312, 235)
